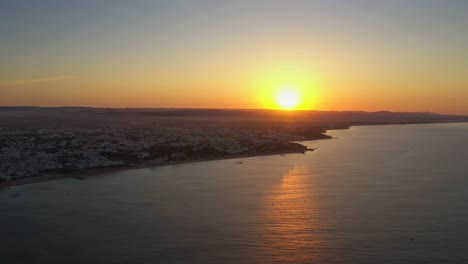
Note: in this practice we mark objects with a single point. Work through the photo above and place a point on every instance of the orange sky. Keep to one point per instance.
(355, 55)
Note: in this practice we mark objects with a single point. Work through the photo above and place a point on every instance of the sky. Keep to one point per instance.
(370, 55)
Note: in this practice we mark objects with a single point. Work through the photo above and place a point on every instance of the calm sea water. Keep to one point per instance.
(381, 194)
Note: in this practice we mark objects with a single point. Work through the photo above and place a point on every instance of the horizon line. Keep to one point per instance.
(244, 109)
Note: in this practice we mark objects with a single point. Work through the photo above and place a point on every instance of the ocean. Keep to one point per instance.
(373, 194)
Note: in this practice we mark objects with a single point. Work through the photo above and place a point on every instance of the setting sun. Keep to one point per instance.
(287, 86)
(288, 99)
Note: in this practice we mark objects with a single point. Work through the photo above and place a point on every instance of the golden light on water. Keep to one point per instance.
(294, 229)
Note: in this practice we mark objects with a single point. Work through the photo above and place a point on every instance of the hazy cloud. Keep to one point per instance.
(36, 80)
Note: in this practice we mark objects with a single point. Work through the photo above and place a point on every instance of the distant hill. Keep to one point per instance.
(87, 116)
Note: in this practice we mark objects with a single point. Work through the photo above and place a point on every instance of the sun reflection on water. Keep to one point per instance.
(293, 227)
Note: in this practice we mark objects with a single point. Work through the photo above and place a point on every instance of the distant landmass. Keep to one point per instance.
(39, 143)
(87, 116)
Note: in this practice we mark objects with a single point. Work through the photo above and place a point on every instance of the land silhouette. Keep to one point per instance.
(40, 143)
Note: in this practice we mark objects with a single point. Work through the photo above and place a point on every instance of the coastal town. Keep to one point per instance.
(35, 152)
(37, 142)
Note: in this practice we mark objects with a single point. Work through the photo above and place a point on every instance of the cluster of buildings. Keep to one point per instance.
(33, 152)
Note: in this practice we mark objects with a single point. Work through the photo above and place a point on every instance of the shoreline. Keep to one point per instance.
(86, 173)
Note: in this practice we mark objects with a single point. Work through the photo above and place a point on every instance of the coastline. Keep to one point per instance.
(86, 173)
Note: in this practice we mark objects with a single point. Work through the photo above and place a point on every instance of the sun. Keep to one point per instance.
(288, 98)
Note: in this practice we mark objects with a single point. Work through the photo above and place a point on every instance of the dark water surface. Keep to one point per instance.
(382, 194)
